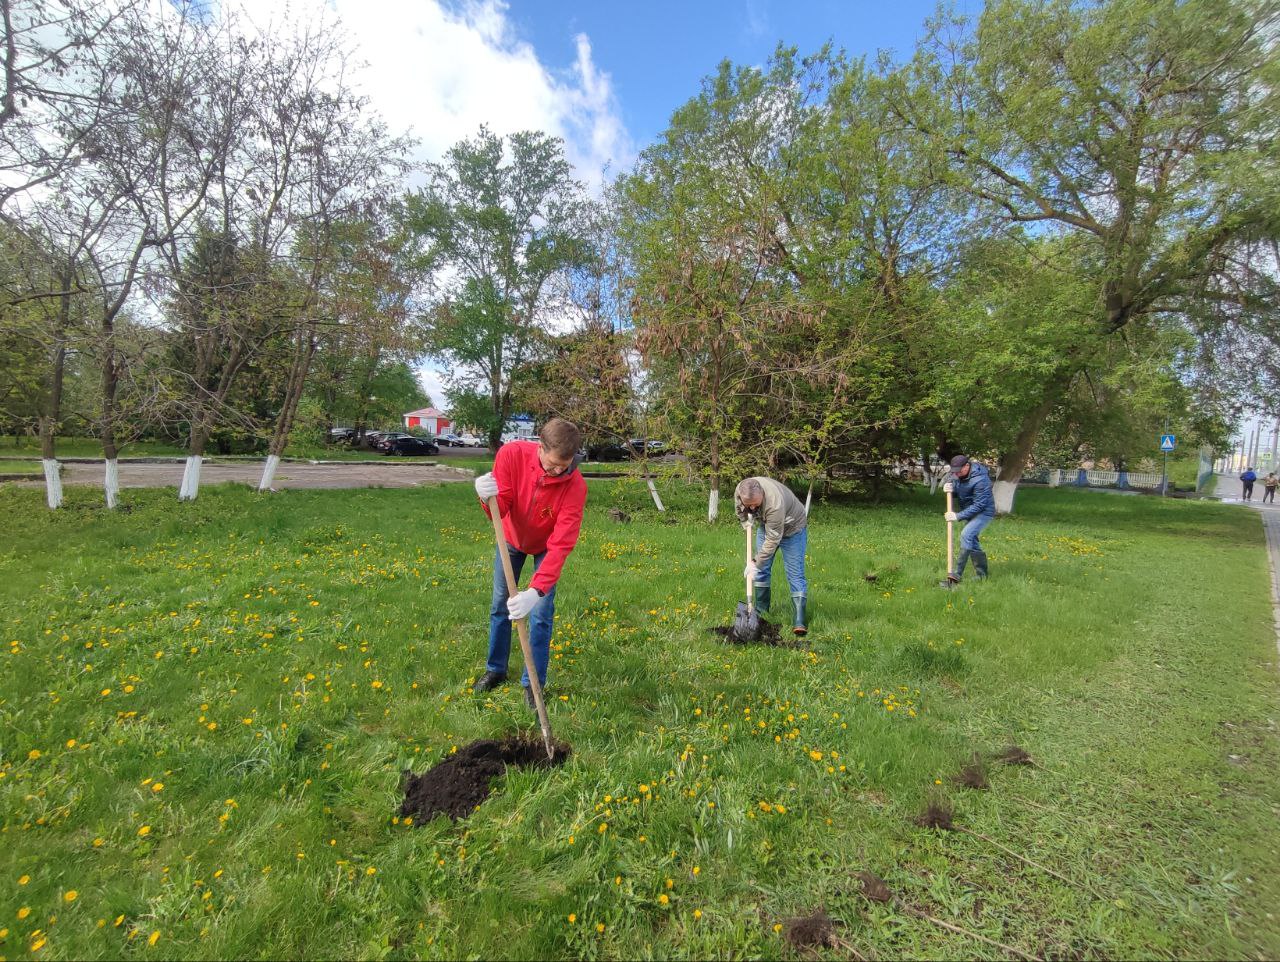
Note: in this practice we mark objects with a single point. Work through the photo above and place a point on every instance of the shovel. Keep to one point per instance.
(746, 623)
(951, 559)
(522, 627)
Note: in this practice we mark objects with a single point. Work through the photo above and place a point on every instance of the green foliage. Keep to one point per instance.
(500, 223)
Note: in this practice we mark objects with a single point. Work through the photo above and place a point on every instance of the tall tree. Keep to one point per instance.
(1144, 128)
(498, 221)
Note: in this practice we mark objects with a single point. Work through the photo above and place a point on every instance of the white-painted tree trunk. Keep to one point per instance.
(1004, 492)
(111, 483)
(653, 493)
(808, 499)
(52, 482)
(190, 478)
(713, 504)
(269, 472)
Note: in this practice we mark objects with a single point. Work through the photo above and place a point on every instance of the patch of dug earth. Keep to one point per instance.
(463, 780)
(770, 634)
(973, 775)
(816, 931)
(1015, 755)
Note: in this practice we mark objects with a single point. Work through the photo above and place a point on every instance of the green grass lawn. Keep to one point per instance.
(205, 711)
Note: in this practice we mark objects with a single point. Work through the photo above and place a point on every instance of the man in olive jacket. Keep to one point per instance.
(784, 526)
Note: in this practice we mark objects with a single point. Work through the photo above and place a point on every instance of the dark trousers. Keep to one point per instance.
(1248, 490)
(1269, 494)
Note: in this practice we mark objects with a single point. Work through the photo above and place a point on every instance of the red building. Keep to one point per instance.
(431, 420)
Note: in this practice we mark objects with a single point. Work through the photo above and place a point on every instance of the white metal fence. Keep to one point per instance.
(1083, 478)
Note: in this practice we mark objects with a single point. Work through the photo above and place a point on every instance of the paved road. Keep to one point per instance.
(351, 474)
(1228, 490)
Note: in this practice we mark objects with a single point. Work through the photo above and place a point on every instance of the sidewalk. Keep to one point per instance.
(1227, 490)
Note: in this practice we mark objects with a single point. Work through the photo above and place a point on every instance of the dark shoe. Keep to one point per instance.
(488, 682)
(761, 596)
(950, 582)
(962, 559)
(799, 622)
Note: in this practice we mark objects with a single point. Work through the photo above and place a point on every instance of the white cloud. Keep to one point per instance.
(441, 70)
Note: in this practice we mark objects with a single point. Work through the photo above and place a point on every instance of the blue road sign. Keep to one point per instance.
(1167, 442)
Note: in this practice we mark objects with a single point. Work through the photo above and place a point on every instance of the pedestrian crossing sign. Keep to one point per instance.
(1167, 442)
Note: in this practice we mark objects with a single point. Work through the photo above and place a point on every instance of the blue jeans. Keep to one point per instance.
(541, 620)
(973, 527)
(792, 549)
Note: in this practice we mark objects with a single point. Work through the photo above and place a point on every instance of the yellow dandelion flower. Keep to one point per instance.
(572, 918)
(664, 899)
(71, 896)
(23, 912)
(604, 827)
(154, 937)
(33, 754)
(24, 880)
(71, 743)
(777, 926)
(38, 944)
(145, 830)
(600, 927)
(158, 787)
(697, 913)
(371, 871)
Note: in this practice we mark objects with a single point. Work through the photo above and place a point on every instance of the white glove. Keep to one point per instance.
(523, 603)
(487, 486)
(749, 572)
(746, 525)
(948, 487)
(950, 516)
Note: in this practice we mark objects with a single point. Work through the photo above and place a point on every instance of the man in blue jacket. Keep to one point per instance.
(971, 485)
(1246, 483)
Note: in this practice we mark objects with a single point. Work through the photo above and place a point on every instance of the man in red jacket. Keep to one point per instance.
(541, 495)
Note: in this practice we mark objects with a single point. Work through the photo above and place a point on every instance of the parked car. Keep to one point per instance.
(448, 440)
(371, 439)
(471, 441)
(608, 452)
(408, 445)
(342, 435)
(639, 446)
(382, 439)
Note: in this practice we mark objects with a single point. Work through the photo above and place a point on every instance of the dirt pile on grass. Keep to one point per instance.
(463, 780)
(816, 931)
(770, 634)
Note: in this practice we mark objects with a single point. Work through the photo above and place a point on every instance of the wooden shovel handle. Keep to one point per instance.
(951, 560)
(522, 628)
(751, 598)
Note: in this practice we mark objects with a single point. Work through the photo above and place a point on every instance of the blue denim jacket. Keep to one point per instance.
(974, 493)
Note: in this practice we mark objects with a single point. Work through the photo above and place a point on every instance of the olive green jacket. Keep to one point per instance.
(781, 513)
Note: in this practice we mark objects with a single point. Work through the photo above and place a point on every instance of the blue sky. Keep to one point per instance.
(657, 52)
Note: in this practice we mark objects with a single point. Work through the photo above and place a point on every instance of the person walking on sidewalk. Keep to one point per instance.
(541, 496)
(1246, 484)
(1269, 488)
(784, 527)
(971, 484)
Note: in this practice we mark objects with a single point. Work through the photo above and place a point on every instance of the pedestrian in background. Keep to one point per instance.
(1246, 484)
(1269, 488)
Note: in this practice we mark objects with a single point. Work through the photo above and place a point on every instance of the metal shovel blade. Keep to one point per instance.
(746, 623)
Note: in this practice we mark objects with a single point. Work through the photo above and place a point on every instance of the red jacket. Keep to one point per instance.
(539, 512)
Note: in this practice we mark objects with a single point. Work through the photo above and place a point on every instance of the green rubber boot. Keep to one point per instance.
(800, 625)
(761, 595)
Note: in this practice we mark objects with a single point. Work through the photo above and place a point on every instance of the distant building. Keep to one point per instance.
(431, 420)
(519, 427)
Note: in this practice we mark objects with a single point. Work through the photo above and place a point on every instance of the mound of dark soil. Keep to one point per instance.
(874, 887)
(973, 775)
(770, 634)
(936, 815)
(457, 785)
(1015, 755)
(816, 931)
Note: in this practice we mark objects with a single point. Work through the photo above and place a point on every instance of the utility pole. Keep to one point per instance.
(1164, 473)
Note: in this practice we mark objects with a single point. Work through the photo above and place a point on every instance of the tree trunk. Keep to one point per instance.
(713, 500)
(52, 417)
(293, 395)
(110, 383)
(1014, 461)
